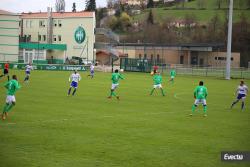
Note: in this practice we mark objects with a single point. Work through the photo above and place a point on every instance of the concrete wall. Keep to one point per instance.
(9, 37)
(214, 59)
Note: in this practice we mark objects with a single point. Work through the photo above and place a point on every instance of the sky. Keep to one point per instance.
(19, 6)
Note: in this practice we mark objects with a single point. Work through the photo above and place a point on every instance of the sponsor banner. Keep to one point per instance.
(51, 67)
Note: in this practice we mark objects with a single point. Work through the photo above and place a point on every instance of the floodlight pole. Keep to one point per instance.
(229, 41)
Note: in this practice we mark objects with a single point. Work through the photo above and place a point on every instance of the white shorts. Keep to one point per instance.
(200, 101)
(158, 86)
(10, 99)
(114, 86)
(172, 77)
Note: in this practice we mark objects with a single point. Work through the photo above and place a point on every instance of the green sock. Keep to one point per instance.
(5, 108)
(113, 93)
(152, 91)
(162, 92)
(193, 108)
(205, 109)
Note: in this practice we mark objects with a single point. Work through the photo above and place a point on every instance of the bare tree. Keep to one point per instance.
(218, 4)
(201, 4)
(60, 6)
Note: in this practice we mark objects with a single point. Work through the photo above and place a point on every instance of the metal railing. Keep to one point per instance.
(208, 71)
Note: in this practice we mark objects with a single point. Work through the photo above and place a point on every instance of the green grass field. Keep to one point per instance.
(48, 129)
(202, 16)
(192, 8)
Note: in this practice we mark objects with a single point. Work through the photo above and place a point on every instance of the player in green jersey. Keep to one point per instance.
(200, 95)
(12, 86)
(157, 78)
(172, 76)
(115, 82)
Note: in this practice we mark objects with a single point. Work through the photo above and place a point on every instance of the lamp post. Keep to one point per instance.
(37, 50)
(229, 41)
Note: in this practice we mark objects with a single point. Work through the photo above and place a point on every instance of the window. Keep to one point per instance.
(152, 57)
(59, 23)
(216, 58)
(29, 37)
(139, 56)
(55, 23)
(30, 23)
(222, 58)
(145, 56)
(158, 58)
(181, 59)
(54, 37)
(59, 38)
(232, 59)
(41, 23)
(39, 37)
(27, 23)
(44, 37)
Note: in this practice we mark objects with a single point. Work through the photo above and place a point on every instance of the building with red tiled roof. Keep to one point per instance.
(52, 37)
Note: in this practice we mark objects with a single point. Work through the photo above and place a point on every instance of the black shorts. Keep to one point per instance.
(6, 71)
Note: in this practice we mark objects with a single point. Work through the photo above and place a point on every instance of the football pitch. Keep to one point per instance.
(48, 129)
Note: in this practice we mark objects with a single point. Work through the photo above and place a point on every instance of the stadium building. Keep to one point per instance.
(54, 37)
(9, 36)
(204, 55)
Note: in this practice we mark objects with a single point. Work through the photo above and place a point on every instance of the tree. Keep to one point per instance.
(142, 4)
(90, 5)
(150, 4)
(113, 22)
(248, 4)
(60, 5)
(125, 21)
(218, 4)
(150, 19)
(74, 7)
(201, 4)
(214, 23)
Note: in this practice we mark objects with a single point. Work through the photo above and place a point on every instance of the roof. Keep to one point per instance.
(105, 52)
(57, 15)
(216, 45)
(4, 12)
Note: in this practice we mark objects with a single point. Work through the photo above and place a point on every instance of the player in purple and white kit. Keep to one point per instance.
(92, 67)
(241, 92)
(74, 78)
(28, 68)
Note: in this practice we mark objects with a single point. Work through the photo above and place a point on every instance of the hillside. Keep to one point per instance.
(209, 9)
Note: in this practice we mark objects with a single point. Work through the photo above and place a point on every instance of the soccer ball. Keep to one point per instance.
(122, 70)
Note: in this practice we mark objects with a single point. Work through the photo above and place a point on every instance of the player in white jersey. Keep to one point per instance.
(74, 78)
(28, 69)
(92, 67)
(241, 92)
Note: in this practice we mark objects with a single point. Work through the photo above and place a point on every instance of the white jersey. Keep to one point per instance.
(92, 68)
(242, 89)
(28, 68)
(75, 77)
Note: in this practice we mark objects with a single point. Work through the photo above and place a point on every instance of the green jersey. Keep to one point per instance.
(200, 92)
(157, 79)
(12, 86)
(172, 73)
(115, 78)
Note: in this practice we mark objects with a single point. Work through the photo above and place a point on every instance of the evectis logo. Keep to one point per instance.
(235, 156)
(80, 35)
